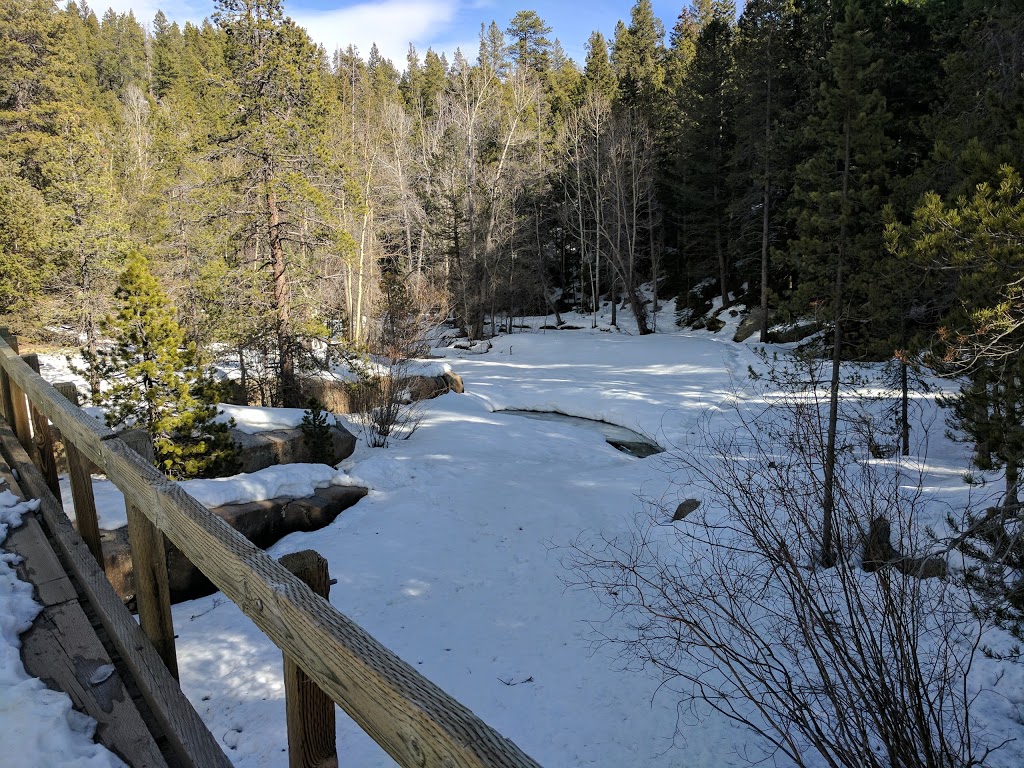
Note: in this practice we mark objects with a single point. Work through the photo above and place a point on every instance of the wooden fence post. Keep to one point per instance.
(149, 567)
(86, 519)
(43, 438)
(312, 738)
(18, 412)
(6, 400)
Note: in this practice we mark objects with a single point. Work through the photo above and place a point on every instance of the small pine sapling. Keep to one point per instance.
(156, 381)
(316, 433)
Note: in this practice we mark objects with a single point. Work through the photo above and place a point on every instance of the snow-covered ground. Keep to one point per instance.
(38, 727)
(455, 560)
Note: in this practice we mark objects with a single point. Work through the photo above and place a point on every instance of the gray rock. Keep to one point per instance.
(286, 446)
(750, 325)
(261, 522)
(685, 508)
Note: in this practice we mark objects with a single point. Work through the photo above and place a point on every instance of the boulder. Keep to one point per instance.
(261, 522)
(344, 396)
(750, 325)
(685, 508)
(286, 446)
(794, 332)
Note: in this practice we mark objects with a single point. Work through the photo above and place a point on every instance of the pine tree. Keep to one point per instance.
(839, 198)
(704, 153)
(637, 57)
(765, 93)
(155, 382)
(975, 246)
(530, 47)
(276, 134)
(598, 75)
(25, 231)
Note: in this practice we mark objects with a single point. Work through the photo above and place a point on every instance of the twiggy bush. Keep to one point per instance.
(733, 609)
(381, 401)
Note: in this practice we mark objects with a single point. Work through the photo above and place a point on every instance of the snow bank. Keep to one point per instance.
(292, 480)
(109, 502)
(252, 419)
(40, 727)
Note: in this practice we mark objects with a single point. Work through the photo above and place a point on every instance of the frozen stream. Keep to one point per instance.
(625, 440)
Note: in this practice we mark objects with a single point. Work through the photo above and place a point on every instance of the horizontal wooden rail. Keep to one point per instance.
(416, 722)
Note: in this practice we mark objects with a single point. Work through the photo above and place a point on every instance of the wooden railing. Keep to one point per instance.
(412, 719)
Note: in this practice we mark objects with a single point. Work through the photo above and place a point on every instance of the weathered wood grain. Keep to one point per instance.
(193, 744)
(149, 567)
(19, 409)
(6, 401)
(412, 719)
(86, 519)
(43, 438)
(312, 729)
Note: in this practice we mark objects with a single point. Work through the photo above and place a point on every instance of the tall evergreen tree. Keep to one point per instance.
(704, 154)
(277, 80)
(598, 75)
(530, 45)
(839, 195)
(637, 57)
(765, 93)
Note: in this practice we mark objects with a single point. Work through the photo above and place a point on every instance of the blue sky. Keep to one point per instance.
(442, 24)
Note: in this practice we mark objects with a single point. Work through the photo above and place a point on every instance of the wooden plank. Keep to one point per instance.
(39, 564)
(412, 719)
(86, 519)
(191, 741)
(312, 728)
(43, 438)
(42, 568)
(19, 409)
(62, 649)
(149, 567)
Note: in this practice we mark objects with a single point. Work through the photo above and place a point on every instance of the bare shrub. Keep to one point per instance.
(734, 611)
(381, 400)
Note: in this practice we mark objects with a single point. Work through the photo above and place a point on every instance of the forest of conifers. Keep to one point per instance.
(851, 162)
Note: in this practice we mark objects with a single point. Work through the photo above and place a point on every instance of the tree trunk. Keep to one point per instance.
(765, 197)
(285, 342)
(614, 298)
(639, 311)
(905, 405)
(828, 504)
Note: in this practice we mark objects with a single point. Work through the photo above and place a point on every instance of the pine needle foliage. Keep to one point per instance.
(156, 382)
(316, 432)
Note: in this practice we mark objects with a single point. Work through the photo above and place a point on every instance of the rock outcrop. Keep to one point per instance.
(261, 522)
(287, 446)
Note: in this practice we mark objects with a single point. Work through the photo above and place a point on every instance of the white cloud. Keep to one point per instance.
(144, 10)
(391, 24)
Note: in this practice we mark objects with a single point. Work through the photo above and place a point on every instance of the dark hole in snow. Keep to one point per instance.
(625, 440)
